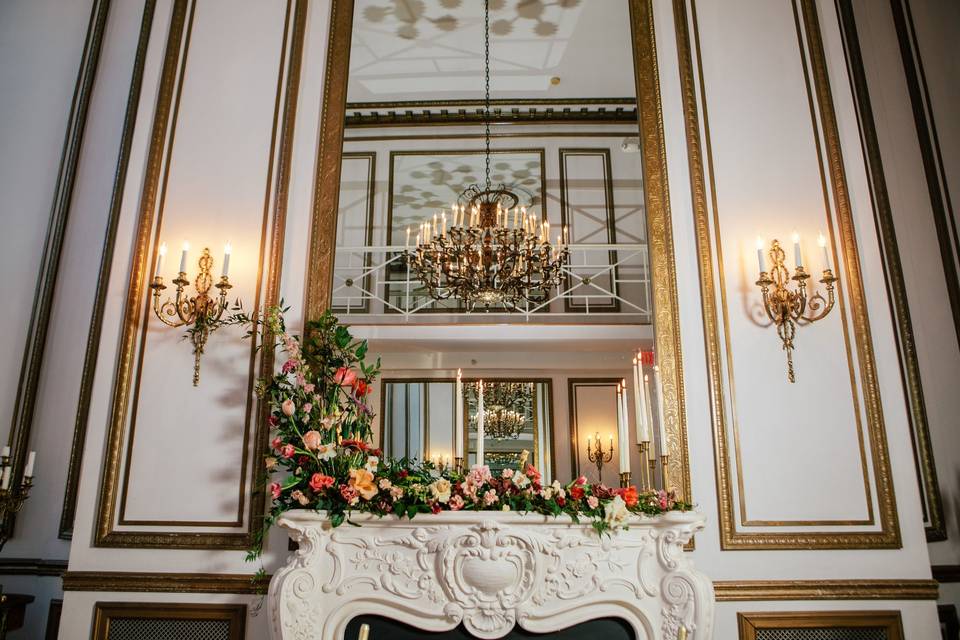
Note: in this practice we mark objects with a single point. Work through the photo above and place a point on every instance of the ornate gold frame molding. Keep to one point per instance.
(659, 225)
(272, 238)
(235, 615)
(699, 150)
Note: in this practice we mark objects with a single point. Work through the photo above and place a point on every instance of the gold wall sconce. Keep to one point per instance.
(200, 313)
(597, 455)
(789, 308)
(13, 497)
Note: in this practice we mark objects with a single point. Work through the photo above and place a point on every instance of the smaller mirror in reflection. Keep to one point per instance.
(515, 417)
(418, 419)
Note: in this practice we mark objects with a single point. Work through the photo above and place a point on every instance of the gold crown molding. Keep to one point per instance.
(896, 286)
(617, 133)
(68, 511)
(272, 244)
(726, 590)
(700, 149)
(874, 589)
(35, 345)
(160, 582)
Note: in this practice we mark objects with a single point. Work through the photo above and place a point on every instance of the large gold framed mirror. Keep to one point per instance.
(572, 128)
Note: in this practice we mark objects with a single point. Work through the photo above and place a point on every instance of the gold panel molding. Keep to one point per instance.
(158, 582)
(874, 589)
(889, 621)
(932, 502)
(659, 224)
(714, 309)
(274, 217)
(235, 615)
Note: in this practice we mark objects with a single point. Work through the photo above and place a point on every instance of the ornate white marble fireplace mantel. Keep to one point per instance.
(490, 571)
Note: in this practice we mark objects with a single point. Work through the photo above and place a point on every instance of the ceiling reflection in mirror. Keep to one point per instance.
(551, 287)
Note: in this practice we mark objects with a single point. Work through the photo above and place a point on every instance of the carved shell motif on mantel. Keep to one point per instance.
(489, 571)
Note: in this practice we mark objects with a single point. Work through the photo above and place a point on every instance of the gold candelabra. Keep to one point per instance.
(597, 455)
(788, 308)
(646, 482)
(200, 312)
(12, 498)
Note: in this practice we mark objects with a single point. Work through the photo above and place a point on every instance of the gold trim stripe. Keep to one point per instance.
(726, 590)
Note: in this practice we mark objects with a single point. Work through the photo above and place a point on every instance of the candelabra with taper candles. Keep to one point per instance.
(787, 308)
(200, 312)
(597, 455)
(12, 498)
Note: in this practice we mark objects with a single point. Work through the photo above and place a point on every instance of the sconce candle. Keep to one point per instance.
(760, 261)
(822, 242)
(788, 309)
(161, 255)
(12, 498)
(797, 257)
(183, 257)
(227, 250)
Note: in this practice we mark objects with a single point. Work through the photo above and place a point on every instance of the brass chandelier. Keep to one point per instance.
(495, 252)
(507, 406)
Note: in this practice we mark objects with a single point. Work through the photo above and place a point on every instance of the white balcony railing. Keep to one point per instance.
(603, 284)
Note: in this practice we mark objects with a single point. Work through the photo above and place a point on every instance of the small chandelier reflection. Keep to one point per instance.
(495, 253)
(507, 406)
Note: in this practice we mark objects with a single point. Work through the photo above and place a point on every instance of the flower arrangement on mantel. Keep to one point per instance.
(321, 456)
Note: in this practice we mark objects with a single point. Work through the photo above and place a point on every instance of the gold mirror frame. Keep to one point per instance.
(659, 226)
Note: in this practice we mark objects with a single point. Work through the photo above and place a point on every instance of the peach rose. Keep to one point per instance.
(288, 407)
(312, 440)
(345, 377)
(362, 481)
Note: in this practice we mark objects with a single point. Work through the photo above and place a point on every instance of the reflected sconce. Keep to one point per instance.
(596, 453)
(785, 297)
(200, 313)
(12, 498)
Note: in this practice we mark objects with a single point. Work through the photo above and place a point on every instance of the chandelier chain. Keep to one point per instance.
(486, 73)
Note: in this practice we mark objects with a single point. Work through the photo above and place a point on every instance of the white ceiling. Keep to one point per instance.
(433, 50)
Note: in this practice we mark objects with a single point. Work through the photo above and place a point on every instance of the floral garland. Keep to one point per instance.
(320, 451)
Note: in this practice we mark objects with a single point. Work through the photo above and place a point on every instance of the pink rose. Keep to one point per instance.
(582, 480)
(490, 496)
(287, 451)
(592, 502)
(275, 490)
(276, 442)
(506, 473)
(345, 377)
(288, 407)
(456, 503)
(307, 407)
(312, 440)
(289, 365)
(309, 387)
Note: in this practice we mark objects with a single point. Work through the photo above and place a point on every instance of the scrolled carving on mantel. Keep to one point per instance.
(489, 571)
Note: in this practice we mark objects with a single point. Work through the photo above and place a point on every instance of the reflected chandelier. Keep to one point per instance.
(506, 406)
(494, 252)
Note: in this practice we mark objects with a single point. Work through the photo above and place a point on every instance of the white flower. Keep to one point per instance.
(440, 490)
(520, 480)
(372, 462)
(505, 507)
(615, 512)
(326, 451)
(547, 493)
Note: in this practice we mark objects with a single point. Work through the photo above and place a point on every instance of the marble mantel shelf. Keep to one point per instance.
(489, 571)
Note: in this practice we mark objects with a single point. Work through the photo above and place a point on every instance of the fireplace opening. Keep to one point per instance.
(382, 628)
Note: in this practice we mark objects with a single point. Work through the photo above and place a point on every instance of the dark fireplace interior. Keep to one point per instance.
(386, 629)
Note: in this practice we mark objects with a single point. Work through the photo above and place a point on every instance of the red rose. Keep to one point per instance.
(629, 496)
(319, 481)
(532, 473)
(576, 492)
(361, 387)
(273, 421)
(561, 501)
(403, 473)
(435, 507)
(275, 490)
(360, 445)
(302, 460)
(276, 442)
(348, 493)
(287, 451)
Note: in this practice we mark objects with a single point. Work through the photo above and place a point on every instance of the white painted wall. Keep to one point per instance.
(92, 190)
